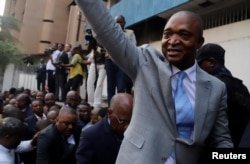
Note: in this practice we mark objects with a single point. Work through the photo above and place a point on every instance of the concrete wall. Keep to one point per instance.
(8, 77)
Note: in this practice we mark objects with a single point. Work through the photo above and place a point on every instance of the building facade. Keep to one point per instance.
(44, 22)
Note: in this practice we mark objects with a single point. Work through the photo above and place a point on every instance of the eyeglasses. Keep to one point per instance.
(125, 122)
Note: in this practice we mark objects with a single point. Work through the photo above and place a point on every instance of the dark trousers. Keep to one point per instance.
(51, 81)
(41, 84)
(116, 80)
(73, 84)
(60, 81)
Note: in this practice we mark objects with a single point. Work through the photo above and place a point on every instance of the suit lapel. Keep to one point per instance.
(164, 71)
(203, 89)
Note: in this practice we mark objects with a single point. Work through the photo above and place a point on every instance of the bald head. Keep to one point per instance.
(121, 99)
(73, 99)
(67, 110)
(120, 112)
(190, 15)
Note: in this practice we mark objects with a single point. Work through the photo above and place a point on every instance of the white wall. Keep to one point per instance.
(235, 39)
(8, 77)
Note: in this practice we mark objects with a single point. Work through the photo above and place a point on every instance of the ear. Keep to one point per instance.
(110, 112)
(56, 120)
(201, 41)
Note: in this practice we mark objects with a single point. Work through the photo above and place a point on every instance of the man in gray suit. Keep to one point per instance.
(154, 134)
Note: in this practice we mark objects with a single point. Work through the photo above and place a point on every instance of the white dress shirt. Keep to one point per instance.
(7, 156)
(49, 65)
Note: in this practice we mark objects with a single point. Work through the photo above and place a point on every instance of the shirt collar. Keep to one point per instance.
(39, 118)
(191, 72)
(4, 148)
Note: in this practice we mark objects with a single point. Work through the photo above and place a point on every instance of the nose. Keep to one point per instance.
(173, 39)
(70, 126)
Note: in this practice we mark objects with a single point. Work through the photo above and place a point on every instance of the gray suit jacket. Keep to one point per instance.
(152, 134)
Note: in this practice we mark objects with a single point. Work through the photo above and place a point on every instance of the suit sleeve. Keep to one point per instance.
(85, 150)
(122, 50)
(43, 149)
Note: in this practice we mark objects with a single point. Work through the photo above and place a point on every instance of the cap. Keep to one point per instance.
(211, 50)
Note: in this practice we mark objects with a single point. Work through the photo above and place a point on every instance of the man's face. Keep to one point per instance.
(72, 100)
(67, 48)
(49, 100)
(181, 38)
(60, 47)
(20, 102)
(207, 65)
(37, 107)
(40, 96)
(65, 123)
(120, 21)
(119, 120)
(51, 116)
(84, 113)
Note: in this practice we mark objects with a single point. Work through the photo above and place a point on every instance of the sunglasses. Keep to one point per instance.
(120, 121)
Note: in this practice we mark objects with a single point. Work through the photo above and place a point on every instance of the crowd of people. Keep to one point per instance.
(36, 129)
(69, 68)
(184, 100)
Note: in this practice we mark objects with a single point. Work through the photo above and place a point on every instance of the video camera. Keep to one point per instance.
(48, 51)
(88, 35)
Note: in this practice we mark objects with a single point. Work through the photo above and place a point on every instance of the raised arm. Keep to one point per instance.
(110, 35)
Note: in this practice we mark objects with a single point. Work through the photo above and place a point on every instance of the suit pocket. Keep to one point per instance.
(135, 138)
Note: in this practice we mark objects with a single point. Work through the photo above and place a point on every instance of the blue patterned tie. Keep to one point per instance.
(183, 109)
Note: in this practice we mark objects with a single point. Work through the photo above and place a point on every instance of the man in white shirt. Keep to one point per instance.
(51, 68)
(11, 133)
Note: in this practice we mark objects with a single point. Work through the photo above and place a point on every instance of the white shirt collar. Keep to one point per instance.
(39, 118)
(191, 72)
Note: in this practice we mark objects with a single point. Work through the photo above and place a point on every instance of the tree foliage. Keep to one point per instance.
(9, 53)
(9, 50)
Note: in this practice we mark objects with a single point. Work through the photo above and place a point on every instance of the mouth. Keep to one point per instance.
(68, 133)
(173, 51)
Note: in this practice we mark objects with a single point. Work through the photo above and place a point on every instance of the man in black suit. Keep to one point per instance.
(57, 143)
(38, 114)
(100, 143)
(23, 103)
(41, 75)
(61, 73)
